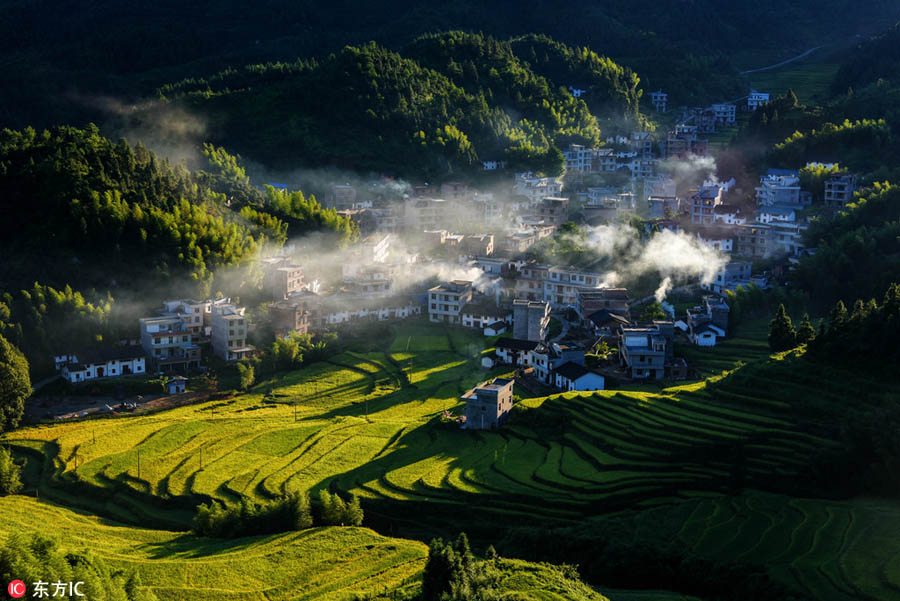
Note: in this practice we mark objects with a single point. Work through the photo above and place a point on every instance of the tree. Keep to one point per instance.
(245, 370)
(782, 335)
(354, 515)
(805, 331)
(10, 481)
(652, 311)
(302, 513)
(15, 385)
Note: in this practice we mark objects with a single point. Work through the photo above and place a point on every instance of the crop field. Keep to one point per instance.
(353, 424)
(748, 344)
(826, 549)
(349, 424)
(319, 563)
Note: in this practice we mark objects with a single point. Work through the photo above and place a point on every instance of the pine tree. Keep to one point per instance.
(354, 514)
(10, 482)
(805, 331)
(782, 335)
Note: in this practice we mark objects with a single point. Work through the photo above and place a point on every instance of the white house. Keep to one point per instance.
(102, 363)
(769, 214)
(515, 352)
(757, 99)
(571, 376)
(495, 329)
(706, 335)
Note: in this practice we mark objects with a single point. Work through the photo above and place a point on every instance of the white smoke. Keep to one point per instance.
(664, 287)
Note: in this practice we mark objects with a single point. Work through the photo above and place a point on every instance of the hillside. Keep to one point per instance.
(115, 215)
(60, 65)
(346, 425)
(439, 108)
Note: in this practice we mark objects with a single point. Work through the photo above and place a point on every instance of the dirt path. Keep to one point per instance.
(782, 63)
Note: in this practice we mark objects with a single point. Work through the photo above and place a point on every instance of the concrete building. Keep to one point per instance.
(445, 302)
(555, 285)
(427, 213)
(229, 333)
(704, 203)
(683, 141)
(530, 319)
(513, 351)
(481, 314)
(731, 275)
(839, 189)
(478, 245)
(343, 196)
(169, 343)
(536, 188)
(725, 113)
(488, 405)
(614, 300)
(719, 238)
(663, 207)
(660, 101)
(754, 240)
(553, 211)
(757, 99)
(194, 314)
(102, 363)
(643, 351)
(290, 315)
(779, 187)
(572, 376)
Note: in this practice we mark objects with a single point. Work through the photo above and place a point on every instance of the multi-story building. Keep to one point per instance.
(456, 191)
(719, 238)
(169, 343)
(779, 187)
(663, 207)
(536, 188)
(281, 277)
(229, 333)
(518, 242)
(481, 314)
(730, 276)
(660, 101)
(753, 240)
(530, 319)
(728, 215)
(553, 211)
(195, 315)
(555, 285)
(343, 196)
(839, 189)
(488, 404)
(787, 238)
(642, 350)
(445, 302)
(478, 245)
(704, 203)
(725, 113)
(756, 100)
(289, 316)
(683, 141)
(428, 213)
(614, 300)
(776, 213)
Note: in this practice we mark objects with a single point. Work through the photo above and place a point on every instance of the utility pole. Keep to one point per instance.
(201, 458)
(139, 464)
(295, 412)
(367, 407)
(93, 437)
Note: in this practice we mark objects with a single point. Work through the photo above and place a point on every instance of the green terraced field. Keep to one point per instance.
(320, 563)
(565, 457)
(840, 550)
(559, 460)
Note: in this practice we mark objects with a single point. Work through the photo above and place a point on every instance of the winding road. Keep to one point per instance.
(785, 62)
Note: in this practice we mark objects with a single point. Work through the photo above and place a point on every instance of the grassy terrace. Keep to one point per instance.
(560, 459)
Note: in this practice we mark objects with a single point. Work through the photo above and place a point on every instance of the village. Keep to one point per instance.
(453, 255)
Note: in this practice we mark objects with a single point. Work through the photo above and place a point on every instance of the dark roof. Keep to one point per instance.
(706, 327)
(103, 355)
(607, 293)
(496, 324)
(572, 371)
(489, 309)
(603, 317)
(726, 209)
(516, 344)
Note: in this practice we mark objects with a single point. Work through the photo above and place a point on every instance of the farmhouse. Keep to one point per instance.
(572, 376)
(102, 363)
(169, 343)
(530, 319)
(515, 352)
(176, 384)
(546, 358)
(445, 302)
(613, 300)
(481, 314)
(643, 351)
(229, 333)
(487, 405)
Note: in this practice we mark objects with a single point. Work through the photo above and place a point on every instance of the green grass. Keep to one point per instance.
(320, 563)
(560, 459)
(809, 77)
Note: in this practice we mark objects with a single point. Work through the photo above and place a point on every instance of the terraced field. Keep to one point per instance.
(320, 563)
(349, 424)
(844, 551)
(354, 424)
(749, 344)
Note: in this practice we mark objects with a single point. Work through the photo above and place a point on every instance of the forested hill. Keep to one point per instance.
(56, 58)
(80, 209)
(447, 103)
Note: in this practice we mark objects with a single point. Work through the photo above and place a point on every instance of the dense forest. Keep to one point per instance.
(84, 53)
(446, 103)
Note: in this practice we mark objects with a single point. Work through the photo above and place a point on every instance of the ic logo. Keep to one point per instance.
(16, 589)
